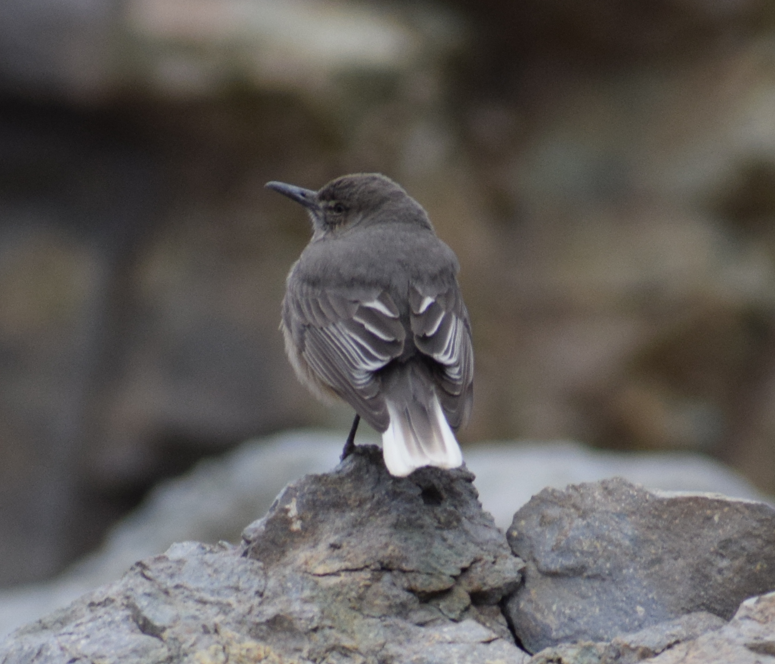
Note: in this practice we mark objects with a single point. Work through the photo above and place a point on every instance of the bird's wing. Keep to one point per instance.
(442, 331)
(344, 338)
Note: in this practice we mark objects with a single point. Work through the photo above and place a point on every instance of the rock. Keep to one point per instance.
(212, 502)
(749, 638)
(559, 463)
(584, 652)
(353, 565)
(635, 647)
(219, 496)
(649, 642)
(610, 558)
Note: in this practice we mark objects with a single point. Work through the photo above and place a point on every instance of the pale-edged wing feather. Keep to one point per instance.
(442, 331)
(345, 338)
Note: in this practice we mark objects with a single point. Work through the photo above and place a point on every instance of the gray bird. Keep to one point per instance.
(373, 315)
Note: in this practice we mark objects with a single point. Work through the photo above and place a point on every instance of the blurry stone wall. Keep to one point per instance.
(605, 172)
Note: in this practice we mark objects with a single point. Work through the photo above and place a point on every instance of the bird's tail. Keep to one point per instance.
(418, 434)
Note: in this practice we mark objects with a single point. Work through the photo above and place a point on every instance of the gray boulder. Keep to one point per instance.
(610, 558)
(353, 565)
(216, 499)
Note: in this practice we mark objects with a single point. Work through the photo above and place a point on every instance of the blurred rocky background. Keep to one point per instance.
(604, 170)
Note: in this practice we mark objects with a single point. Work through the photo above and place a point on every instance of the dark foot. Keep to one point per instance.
(349, 446)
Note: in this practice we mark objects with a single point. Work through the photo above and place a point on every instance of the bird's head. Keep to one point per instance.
(354, 200)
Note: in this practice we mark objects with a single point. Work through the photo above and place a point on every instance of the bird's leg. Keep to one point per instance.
(349, 446)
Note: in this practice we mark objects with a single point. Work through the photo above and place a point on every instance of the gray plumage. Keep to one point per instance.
(373, 315)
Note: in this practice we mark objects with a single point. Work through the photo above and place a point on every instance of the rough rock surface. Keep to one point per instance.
(354, 565)
(214, 501)
(749, 638)
(635, 647)
(610, 558)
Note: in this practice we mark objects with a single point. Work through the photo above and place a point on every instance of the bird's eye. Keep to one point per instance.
(338, 208)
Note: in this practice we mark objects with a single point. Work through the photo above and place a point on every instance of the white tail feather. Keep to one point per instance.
(418, 437)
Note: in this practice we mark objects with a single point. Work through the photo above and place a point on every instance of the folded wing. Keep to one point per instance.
(345, 339)
(442, 331)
